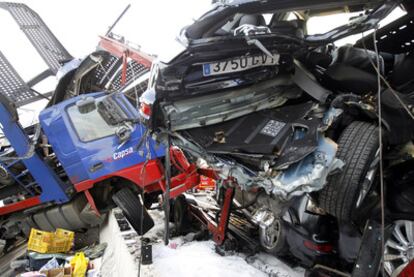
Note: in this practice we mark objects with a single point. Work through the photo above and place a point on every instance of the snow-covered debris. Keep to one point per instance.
(182, 257)
(200, 259)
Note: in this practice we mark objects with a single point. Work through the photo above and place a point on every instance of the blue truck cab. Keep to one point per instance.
(87, 140)
(88, 147)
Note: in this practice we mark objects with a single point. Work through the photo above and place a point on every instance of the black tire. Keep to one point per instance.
(150, 199)
(133, 210)
(280, 245)
(357, 147)
(180, 212)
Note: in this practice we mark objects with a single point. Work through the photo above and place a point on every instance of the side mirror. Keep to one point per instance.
(86, 105)
(123, 133)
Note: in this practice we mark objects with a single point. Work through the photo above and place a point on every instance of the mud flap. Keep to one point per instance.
(368, 263)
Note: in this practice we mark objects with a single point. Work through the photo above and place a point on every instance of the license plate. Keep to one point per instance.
(239, 64)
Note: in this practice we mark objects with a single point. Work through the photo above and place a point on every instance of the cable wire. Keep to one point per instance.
(381, 165)
(395, 94)
(144, 141)
(142, 199)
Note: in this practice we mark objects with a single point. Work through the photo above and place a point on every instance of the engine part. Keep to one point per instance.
(9, 229)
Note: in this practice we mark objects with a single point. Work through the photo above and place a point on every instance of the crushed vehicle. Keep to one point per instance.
(88, 150)
(288, 124)
(284, 116)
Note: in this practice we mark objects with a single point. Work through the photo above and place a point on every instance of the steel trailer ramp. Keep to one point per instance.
(13, 86)
(45, 42)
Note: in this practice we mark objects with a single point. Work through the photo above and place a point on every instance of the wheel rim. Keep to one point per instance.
(270, 234)
(399, 249)
(366, 187)
(368, 181)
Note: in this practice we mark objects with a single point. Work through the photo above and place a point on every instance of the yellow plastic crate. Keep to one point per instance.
(39, 241)
(47, 242)
(62, 241)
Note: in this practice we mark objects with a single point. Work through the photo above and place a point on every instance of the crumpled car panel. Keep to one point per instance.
(224, 106)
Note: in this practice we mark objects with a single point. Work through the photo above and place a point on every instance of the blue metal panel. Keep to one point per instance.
(97, 158)
(53, 189)
(59, 136)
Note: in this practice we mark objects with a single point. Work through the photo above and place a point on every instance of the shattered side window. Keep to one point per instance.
(291, 16)
(90, 126)
(325, 23)
(268, 18)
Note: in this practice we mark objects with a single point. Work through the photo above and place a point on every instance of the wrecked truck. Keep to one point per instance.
(87, 151)
(282, 114)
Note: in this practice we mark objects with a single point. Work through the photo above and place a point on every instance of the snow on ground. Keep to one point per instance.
(199, 259)
(194, 259)
(184, 257)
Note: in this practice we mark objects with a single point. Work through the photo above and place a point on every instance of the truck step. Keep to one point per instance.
(31, 184)
(12, 163)
(23, 173)
(31, 187)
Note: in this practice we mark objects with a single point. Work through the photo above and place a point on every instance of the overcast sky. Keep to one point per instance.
(77, 24)
(153, 24)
